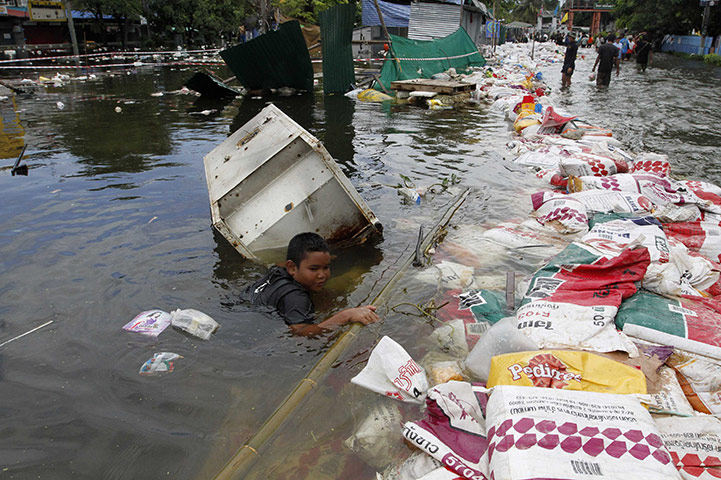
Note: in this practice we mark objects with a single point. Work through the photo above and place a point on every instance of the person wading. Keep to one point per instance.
(607, 58)
(569, 61)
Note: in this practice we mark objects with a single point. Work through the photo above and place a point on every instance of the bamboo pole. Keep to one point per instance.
(245, 456)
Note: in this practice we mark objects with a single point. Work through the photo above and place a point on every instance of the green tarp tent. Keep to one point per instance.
(423, 58)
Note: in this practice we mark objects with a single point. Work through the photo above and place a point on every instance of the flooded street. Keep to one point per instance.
(113, 219)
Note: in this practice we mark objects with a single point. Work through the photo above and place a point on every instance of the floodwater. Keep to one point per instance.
(113, 219)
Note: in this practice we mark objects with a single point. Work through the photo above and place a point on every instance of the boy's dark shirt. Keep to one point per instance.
(570, 59)
(279, 291)
(607, 52)
(643, 48)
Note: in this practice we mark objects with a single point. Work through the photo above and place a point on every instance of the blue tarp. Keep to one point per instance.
(394, 15)
(84, 15)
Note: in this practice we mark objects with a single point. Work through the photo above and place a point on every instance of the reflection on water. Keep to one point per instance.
(114, 219)
(11, 130)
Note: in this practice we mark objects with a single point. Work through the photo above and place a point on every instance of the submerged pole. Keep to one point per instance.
(245, 456)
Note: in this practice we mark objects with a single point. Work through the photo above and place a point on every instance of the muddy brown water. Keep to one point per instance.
(113, 219)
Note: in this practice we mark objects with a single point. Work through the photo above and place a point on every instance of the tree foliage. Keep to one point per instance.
(677, 17)
(200, 21)
(307, 10)
(528, 10)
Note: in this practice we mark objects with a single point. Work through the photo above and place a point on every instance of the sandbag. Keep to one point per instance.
(545, 433)
(568, 370)
(701, 237)
(453, 430)
(691, 325)
(572, 301)
(700, 379)
(652, 163)
(694, 445)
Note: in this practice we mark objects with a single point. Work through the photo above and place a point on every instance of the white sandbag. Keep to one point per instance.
(453, 430)
(694, 444)
(546, 433)
(565, 324)
(670, 398)
(390, 371)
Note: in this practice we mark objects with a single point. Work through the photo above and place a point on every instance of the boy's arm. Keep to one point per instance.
(598, 58)
(365, 315)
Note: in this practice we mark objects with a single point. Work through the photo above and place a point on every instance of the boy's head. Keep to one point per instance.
(308, 260)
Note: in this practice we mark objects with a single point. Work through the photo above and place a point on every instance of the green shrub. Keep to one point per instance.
(712, 58)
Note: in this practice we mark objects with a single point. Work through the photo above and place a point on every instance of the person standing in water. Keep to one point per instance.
(607, 57)
(643, 52)
(569, 61)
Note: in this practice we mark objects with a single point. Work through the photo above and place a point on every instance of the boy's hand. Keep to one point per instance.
(365, 315)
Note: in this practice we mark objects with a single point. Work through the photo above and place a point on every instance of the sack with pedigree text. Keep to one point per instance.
(390, 371)
(567, 370)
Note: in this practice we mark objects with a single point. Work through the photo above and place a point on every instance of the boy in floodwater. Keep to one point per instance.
(287, 289)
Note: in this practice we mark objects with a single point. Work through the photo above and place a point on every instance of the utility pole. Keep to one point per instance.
(707, 4)
(71, 28)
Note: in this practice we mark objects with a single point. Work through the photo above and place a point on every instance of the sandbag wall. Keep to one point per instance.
(609, 363)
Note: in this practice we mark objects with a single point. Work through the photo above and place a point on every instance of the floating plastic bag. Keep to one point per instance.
(390, 371)
(376, 438)
(545, 433)
(568, 370)
(453, 430)
(442, 372)
(502, 337)
(451, 338)
(694, 444)
(371, 95)
(160, 363)
(194, 322)
(150, 322)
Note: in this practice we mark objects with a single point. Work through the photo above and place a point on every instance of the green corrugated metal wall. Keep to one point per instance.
(336, 33)
(272, 60)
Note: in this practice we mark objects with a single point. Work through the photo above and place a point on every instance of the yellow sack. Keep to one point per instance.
(567, 370)
(523, 121)
(370, 95)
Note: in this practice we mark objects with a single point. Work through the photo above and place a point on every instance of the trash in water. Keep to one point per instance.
(118, 109)
(60, 105)
(194, 322)
(210, 86)
(390, 371)
(160, 363)
(150, 322)
(376, 439)
(272, 179)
